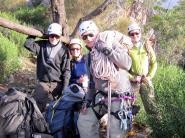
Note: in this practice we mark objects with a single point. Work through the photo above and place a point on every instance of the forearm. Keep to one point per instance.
(153, 65)
(32, 46)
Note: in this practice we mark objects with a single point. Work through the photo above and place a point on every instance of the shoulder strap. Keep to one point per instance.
(91, 84)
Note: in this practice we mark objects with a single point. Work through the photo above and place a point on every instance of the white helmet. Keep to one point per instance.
(76, 41)
(86, 26)
(55, 28)
(133, 26)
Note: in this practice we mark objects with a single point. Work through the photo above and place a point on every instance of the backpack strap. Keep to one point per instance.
(38, 124)
(25, 128)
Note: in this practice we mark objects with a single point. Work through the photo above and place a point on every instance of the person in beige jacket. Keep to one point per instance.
(108, 63)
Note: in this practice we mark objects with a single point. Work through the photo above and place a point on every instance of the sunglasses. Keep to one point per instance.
(84, 37)
(54, 36)
(73, 49)
(132, 34)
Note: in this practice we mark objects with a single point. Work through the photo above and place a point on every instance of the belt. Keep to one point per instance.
(106, 95)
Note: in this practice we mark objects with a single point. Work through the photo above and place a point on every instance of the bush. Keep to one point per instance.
(170, 95)
(37, 16)
(9, 60)
(169, 27)
(169, 84)
(13, 36)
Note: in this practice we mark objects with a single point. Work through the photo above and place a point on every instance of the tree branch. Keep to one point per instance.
(26, 30)
(20, 28)
(94, 13)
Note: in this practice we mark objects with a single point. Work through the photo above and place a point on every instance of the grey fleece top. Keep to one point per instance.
(121, 60)
(53, 63)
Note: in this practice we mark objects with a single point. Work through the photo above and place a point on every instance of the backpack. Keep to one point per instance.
(20, 115)
(62, 114)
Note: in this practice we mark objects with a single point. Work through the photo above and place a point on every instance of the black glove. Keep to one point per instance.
(135, 109)
(103, 47)
(31, 37)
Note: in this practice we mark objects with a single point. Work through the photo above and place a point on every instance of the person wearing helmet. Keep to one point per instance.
(108, 63)
(78, 67)
(143, 69)
(53, 65)
(78, 86)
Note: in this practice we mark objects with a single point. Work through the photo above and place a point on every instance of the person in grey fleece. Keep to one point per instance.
(108, 63)
(53, 65)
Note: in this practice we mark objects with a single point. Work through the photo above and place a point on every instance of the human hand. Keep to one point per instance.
(82, 79)
(84, 108)
(99, 45)
(103, 47)
(136, 79)
(146, 79)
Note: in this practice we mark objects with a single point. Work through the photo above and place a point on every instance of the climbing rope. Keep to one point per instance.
(102, 67)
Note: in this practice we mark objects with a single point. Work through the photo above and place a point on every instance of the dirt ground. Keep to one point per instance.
(23, 79)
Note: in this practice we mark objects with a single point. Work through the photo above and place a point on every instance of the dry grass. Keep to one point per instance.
(11, 4)
(111, 18)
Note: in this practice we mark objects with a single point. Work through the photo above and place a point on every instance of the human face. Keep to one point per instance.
(135, 36)
(54, 39)
(75, 50)
(89, 38)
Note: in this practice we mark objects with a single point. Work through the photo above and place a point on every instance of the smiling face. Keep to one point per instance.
(135, 36)
(89, 38)
(75, 50)
(54, 39)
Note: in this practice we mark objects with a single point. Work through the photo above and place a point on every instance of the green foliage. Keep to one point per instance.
(13, 36)
(9, 60)
(170, 28)
(170, 94)
(169, 85)
(37, 16)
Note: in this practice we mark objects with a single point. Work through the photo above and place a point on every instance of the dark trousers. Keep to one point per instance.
(45, 92)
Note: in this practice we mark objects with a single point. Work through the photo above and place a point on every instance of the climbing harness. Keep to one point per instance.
(124, 114)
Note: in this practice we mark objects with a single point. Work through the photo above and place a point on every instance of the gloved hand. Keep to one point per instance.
(31, 37)
(103, 47)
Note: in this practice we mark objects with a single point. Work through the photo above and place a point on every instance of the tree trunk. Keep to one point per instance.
(138, 12)
(26, 30)
(59, 14)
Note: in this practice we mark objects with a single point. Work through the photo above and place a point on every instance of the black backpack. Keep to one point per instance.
(20, 116)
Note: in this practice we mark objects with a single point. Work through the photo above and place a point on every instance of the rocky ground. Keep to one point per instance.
(23, 79)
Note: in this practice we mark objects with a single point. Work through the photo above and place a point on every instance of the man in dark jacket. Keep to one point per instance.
(53, 65)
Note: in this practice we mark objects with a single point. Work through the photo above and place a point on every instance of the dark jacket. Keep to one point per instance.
(78, 68)
(55, 70)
